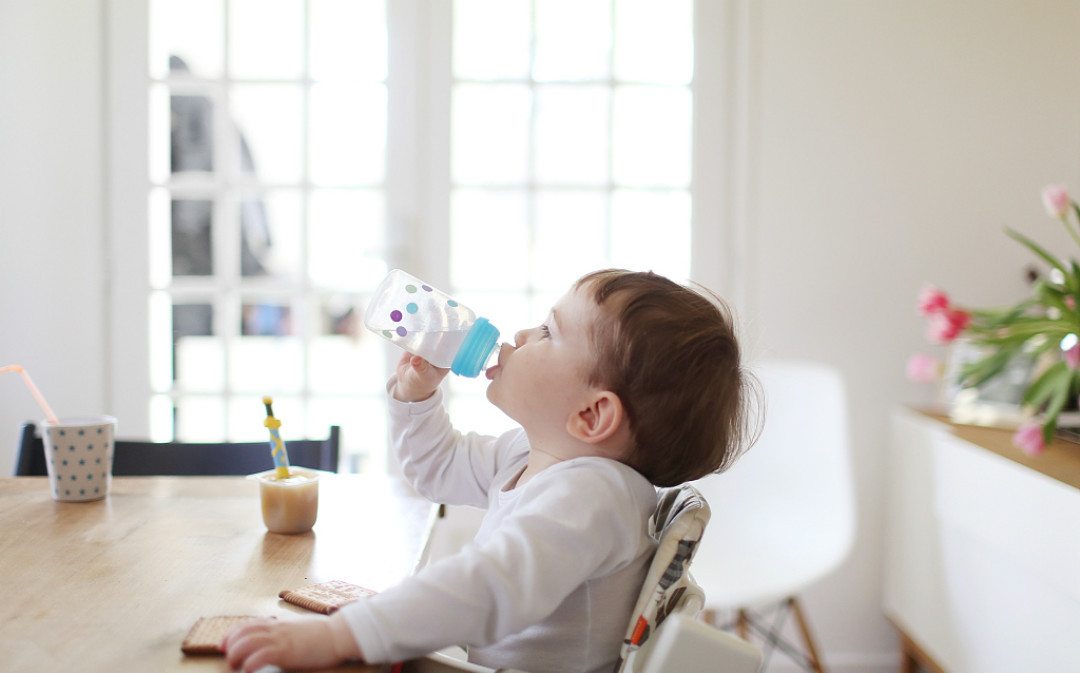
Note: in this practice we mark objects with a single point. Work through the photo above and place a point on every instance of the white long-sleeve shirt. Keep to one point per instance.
(550, 581)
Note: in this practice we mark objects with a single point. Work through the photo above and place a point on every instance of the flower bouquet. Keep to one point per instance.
(1042, 328)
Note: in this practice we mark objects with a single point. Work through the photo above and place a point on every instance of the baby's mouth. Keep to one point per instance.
(490, 372)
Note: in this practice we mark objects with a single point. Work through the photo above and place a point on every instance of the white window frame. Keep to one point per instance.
(418, 166)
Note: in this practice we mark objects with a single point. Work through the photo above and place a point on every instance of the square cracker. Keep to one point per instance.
(326, 597)
(208, 634)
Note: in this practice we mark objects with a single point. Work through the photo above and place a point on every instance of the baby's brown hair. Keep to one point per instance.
(671, 355)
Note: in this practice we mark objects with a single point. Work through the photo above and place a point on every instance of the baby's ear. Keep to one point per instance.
(597, 420)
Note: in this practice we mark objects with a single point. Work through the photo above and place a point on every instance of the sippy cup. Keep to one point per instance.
(428, 323)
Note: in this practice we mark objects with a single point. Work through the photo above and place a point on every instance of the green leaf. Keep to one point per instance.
(1034, 247)
(1051, 296)
(986, 368)
(1053, 409)
(1073, 279)
(1057, 376)
(1027, 328)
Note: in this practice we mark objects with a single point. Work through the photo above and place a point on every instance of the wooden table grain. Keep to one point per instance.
(114, 585)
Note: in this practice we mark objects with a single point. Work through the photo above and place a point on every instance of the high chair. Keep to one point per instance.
(661, 635)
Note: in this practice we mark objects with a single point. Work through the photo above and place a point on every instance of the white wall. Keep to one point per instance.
(52, 231)
(889, 142)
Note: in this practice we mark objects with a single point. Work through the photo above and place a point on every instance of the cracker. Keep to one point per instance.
(326, 597)
(208, 634)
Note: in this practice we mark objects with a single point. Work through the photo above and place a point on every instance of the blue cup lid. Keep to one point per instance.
(476, 348)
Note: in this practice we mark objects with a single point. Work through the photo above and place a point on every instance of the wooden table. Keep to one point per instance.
(114, 585)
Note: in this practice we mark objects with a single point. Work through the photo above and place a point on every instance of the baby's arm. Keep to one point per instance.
(441, 463)
(308, 642)
(574, 527)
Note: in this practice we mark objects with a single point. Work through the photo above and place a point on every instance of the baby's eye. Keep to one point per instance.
(545, 332)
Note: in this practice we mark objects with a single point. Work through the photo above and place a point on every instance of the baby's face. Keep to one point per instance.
(540, 380)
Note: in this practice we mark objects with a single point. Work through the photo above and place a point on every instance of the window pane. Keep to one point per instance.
(266, 39)
(344, 358)
(346, 238)
(573, 40)
(264, 364)
(491, 39)
(271, 241)
(200, 363)
(345, 364)
(348, 40)
(200, 419)
(268, 121)
(348, 134)
(192, 319)
(192, 242)
(340, 315)
(247, 413)
(189, 30)
(490, 244)
(363, 429)
(490, 137)
(651, 231)
(572, 132)
(191, 141)
(266, 317)
(652, 136)
(654, 42)
(580, 217)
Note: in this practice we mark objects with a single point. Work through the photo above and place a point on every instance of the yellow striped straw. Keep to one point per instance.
(277, 444)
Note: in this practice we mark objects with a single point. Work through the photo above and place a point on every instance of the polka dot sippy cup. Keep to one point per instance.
(426, 322)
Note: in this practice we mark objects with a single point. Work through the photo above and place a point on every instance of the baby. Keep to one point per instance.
(632, 382)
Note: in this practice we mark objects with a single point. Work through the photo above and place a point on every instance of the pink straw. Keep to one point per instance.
(33, 391)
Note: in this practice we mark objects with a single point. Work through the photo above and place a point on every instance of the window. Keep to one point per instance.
(295, 150)
(570, 145)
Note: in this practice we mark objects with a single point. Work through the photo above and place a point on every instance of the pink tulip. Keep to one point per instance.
(922, 368)
(1056, 200)
(932, 301)
(946, 325)
(1072, 356)
(1029, 438)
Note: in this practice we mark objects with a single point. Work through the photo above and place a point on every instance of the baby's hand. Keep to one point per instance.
(309, 642)
(417, 379)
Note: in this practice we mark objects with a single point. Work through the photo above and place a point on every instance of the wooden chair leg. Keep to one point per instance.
(741, 622)
(914, 659)
(908, 663)
(815, 659)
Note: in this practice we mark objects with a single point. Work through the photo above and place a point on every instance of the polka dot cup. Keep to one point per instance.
(78, 456)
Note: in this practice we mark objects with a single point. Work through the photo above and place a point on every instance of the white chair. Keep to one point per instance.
(785, 510)
(655, 640)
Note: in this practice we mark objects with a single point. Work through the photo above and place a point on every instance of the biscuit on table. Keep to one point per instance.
(326, 597)
(208, 634)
